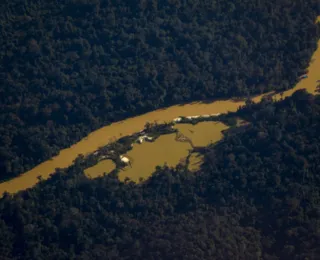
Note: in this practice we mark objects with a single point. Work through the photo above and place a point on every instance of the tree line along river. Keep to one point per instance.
(165, 149)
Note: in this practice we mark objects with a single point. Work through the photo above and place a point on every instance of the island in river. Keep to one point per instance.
(168, 149)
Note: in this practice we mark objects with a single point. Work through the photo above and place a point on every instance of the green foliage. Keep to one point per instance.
(70, 66)
(255, 197)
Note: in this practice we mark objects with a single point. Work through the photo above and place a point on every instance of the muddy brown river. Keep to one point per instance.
(146, 156)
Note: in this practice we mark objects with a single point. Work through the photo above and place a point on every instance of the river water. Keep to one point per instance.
(165, 149)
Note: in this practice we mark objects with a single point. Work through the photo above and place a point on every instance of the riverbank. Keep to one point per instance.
(129, 126)
(166, 144)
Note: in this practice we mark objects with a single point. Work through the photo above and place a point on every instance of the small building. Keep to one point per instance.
(124, 159)
(192, 117)
(143, 138)
(178, 119)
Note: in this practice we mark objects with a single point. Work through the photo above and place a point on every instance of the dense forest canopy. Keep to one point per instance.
(257, 196)
(70, 66)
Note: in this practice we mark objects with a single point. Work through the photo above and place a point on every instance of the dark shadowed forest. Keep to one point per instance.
(70, 66)
(257, 196)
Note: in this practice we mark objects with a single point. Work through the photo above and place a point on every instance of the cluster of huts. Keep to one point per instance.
(143, 137)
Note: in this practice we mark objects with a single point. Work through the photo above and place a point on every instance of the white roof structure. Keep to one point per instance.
(178, 119)
(192, 117)
(124, 159)
(144, 137)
